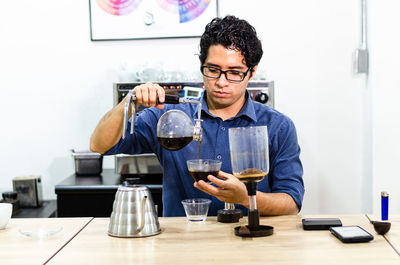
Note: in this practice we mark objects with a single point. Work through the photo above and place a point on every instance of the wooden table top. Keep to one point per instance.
(16, 248)
(393, 236)
(394, 233)
(210, 242)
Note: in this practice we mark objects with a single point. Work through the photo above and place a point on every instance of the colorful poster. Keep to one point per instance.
(147, 19)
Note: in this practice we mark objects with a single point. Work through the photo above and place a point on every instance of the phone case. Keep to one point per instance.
(346, 237)
(320, 223)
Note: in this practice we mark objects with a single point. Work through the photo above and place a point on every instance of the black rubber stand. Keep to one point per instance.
(253, 229)
(245, 231)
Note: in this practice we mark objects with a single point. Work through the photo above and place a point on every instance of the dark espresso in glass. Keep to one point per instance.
(202, 175)
(174, 143)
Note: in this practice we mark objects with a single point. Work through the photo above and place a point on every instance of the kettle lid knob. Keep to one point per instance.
(131, 181)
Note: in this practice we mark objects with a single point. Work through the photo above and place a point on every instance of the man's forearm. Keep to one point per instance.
(275, 204)
(108, 131)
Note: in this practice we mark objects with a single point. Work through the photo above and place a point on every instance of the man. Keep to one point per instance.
(229, 54)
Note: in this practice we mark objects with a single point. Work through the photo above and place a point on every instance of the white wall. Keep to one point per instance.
(385, 85)
(308, 52)
(55, 84)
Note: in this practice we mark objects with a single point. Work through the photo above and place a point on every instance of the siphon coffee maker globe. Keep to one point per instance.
(250, 163)
(174, 128)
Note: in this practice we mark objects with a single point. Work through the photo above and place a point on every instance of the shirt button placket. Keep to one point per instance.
(219, 156)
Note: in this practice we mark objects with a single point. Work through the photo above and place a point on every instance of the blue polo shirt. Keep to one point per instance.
(285, 166)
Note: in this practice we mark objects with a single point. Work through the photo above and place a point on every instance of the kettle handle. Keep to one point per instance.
(140, 228)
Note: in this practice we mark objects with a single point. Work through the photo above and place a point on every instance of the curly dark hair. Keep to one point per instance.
(233, 33)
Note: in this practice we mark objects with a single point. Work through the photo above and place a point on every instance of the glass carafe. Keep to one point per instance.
(175, 130)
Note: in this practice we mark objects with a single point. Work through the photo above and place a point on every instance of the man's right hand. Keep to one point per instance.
(109, 130)
(147, 94)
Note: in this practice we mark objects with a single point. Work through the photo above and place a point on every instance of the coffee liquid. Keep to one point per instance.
(251, 174)
(198, 153)
(174, 143)
(202, 175)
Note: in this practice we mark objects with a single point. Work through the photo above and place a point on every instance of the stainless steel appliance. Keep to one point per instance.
(29, 189)
(87, 162)
(143, 164)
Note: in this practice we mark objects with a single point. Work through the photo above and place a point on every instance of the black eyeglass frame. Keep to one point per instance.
(225, 73)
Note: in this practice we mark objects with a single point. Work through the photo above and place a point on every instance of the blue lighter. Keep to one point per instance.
(384, 206)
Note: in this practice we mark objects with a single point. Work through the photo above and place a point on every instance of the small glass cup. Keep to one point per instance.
(196, 209)
(201, 168)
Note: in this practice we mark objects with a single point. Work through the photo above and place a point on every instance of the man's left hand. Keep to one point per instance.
(228, 188)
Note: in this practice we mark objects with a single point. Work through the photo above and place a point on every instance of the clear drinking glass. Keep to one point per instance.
(196, 209)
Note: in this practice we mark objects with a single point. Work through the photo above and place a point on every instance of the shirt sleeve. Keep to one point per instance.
(143, 138)
(286, 174)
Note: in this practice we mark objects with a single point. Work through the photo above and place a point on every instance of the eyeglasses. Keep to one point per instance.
(231, 75)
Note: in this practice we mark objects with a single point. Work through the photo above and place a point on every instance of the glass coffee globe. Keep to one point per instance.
(174, 130)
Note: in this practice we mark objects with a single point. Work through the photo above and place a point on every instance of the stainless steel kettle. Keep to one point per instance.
(134, 214)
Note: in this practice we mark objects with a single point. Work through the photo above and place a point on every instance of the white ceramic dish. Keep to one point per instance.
(5, 214)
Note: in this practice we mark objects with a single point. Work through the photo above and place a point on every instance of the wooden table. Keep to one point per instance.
(16, 248)
(393, 236)
(394, 233)
(183, 242)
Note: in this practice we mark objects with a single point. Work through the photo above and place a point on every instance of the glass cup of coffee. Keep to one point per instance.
(199, 169)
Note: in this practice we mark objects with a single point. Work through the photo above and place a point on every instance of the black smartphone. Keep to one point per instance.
(351, 234)
(320, 223)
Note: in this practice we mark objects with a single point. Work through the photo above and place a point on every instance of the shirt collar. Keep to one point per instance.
(246, 110)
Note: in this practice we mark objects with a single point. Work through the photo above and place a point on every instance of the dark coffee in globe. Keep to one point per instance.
(174, 143)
